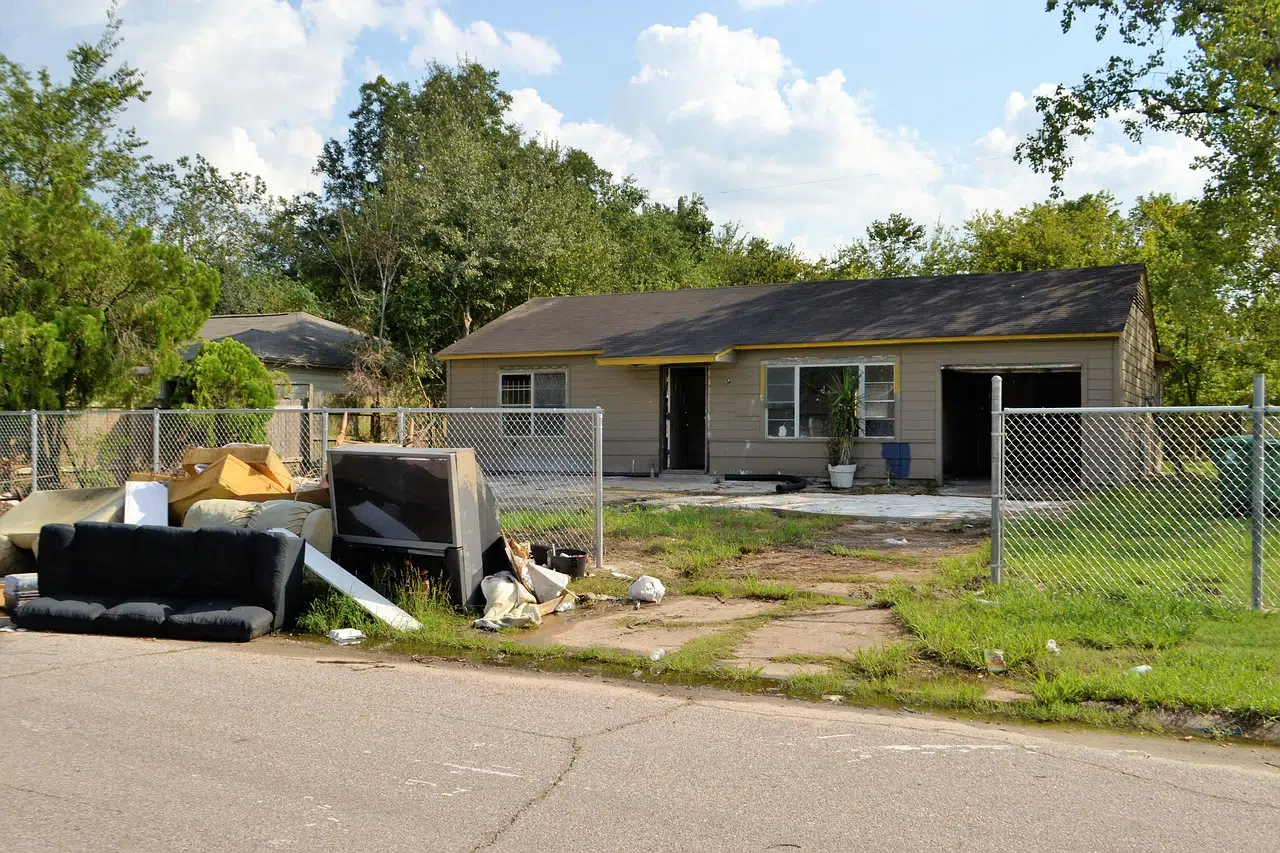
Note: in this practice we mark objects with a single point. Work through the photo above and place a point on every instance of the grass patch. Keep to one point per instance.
(874, 556)
(694, 541)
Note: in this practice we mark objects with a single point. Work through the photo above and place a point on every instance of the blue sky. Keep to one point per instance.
(816, 116)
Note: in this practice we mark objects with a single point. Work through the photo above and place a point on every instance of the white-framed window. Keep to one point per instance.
(533, 389)
(795, 399)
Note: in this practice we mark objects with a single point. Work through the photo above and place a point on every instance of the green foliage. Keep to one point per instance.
(225, 374)
(92, 310)
(842, 418)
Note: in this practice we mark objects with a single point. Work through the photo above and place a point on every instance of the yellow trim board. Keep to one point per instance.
(548, 354)
(959, 339)
(664, 359)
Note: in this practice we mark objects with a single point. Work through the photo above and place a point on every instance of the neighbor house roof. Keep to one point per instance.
(294, 339)
(706, 324)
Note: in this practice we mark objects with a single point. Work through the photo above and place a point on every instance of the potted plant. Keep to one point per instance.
(842, 429)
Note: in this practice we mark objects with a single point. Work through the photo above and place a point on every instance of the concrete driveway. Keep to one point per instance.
(135, 745)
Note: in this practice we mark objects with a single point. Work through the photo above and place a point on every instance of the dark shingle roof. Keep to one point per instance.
(298, 338)
(705, 322)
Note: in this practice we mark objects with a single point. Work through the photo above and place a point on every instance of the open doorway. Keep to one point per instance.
(966, 411)
(685, 418)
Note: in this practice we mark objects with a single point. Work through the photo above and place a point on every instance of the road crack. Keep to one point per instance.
(577, 745)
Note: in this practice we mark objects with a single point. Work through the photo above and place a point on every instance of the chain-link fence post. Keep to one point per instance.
(324, 441)
(997, 473)
(599, 477)
(35, 451)
(1258, 482)
(400, 426)
(155, 441)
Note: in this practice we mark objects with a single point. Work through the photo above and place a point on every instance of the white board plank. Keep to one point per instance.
(146, 503)
(348, 584)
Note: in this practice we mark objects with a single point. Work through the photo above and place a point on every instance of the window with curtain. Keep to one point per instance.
(539, 389)
(795, 399)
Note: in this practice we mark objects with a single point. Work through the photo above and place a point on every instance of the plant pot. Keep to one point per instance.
(842, 475)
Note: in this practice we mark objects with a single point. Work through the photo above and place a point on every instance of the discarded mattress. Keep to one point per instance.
(21, 525)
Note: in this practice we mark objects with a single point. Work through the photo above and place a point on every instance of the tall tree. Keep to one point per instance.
(92, 310)
(1208, 70)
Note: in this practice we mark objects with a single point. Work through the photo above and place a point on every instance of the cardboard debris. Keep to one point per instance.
(259, 457)
(226, 477)
(318, 495)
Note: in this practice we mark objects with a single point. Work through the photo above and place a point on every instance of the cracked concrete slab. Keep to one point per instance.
(829, 630)
(265, 747)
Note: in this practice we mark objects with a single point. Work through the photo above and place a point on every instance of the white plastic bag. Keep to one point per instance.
(346, 636)
(544, 583)
(647, 588)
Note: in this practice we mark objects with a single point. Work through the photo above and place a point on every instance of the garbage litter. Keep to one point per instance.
(994, 659)
(346, 636)
(647, 588)
(508, 604)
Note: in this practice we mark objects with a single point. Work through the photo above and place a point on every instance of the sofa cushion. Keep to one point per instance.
(77, 615)
(163, 560)
(102, 559)
(139, 617)
(224, 568)
(219, 620)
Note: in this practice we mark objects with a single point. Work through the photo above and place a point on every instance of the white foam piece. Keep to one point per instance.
(146, 503)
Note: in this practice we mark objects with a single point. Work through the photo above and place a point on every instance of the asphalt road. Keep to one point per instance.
(136, 745)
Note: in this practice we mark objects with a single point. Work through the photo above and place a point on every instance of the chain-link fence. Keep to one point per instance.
(542, 465)
(1167, 500)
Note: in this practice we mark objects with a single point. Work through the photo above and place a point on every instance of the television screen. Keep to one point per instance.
(403, 498)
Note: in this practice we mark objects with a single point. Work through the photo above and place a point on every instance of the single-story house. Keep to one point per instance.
(315, 354)
(731, 379)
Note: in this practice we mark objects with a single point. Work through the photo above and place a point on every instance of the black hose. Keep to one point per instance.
(786, 482)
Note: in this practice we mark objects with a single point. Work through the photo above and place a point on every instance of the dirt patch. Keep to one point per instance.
(666, 626)
(1005, 695)
(806, 567)
(832, 630)
(924, 540)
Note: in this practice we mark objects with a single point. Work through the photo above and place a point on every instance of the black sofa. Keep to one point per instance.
(210, 584)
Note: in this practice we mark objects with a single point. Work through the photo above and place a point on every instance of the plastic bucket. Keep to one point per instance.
(571, 561)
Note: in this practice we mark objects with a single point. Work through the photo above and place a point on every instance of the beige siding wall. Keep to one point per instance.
(1137, 357)
(628, 395)
(738, 441)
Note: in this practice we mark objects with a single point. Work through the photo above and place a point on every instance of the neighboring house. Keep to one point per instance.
(314, 353)
(731, 379)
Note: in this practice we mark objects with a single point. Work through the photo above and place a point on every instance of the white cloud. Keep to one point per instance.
(256, 84)
(438, 38)
(803, 159)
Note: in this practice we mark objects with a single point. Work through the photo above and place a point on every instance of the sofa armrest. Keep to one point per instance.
(53, 565)
(279, 579)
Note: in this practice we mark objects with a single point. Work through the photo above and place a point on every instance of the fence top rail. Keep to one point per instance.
(1136, 410)
(335, 410)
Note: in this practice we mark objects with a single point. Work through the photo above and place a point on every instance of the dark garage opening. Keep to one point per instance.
(966, 415)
